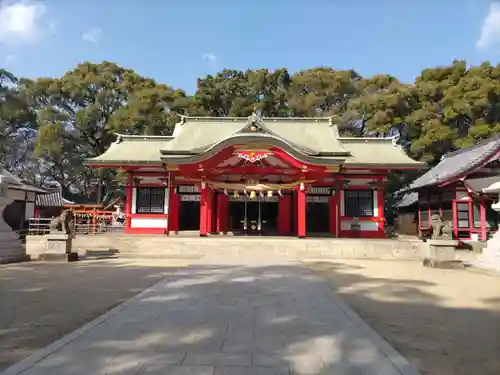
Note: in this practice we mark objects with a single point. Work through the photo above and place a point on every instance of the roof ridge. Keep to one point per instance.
(139, 136)
(494, 138)
(234, 118)
(360, 139)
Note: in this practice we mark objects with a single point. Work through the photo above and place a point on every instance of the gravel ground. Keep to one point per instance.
(40, 302)
(446, 322)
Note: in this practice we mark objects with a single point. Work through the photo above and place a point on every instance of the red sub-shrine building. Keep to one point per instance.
(267, 176)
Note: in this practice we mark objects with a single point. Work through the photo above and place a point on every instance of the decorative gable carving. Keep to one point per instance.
(255, 124)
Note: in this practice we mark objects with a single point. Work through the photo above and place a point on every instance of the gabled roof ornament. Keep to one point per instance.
(255, 122)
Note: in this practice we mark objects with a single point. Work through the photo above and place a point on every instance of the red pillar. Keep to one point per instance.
(204, 197)
(210, 210)
(222, 213)
(284, 212)
(482, 213)
(301, 211)
(293, 209)
(173, 211)
(455, 219)
(128, 200)
(333, 214)
(338, 196)
(381, 214)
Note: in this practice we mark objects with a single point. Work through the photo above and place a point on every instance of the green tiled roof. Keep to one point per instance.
(308, 134)
(130, 149)
(313, 140)
(377, 151)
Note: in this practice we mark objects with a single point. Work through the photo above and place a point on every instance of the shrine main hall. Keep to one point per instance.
(255, 176)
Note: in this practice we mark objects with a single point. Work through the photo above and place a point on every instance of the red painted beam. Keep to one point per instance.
(253, 170)
(207, 164)
(126, 167)
(150, 174)
(294, 163)
(363, 176)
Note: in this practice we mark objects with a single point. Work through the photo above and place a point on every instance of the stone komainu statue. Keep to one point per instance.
(61, 223)
(440, 229)
(437, 225)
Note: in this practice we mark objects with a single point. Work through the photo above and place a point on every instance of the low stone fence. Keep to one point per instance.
(286, 248)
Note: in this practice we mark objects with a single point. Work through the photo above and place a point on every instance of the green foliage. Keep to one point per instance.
(49, 125)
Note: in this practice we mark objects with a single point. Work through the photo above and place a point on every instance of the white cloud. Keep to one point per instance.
(93, 35)
(209, 57)
(9, 60)
(21, 21)
(52, 27)
(490, 30)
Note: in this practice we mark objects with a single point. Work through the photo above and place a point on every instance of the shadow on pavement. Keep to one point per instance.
(40, 302)
(277, 320)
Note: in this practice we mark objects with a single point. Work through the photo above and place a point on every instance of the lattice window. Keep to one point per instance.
(150, 200)
(358, 203)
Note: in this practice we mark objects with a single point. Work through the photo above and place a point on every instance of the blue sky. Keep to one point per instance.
(177, 41)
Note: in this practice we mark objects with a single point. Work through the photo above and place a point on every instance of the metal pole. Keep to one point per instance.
(245, 218)
(259, 221)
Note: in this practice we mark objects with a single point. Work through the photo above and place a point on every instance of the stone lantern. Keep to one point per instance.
(11, 248)
(490, 257)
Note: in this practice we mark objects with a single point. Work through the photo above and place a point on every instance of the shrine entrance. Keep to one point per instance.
(317, 217)
(253, 217)
(189, 215)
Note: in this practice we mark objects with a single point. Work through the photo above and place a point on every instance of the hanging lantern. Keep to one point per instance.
(280, 193)
(269, 193)
(261, 194)
(235, 194)
(253, 195)
(225, 191)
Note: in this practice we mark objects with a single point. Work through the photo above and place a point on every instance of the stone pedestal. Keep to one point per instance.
(55, 247)
(490, 256)
(440, 253)
(11, 248)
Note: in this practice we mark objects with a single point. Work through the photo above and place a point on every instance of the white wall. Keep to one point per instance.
(364, 225)
(138, 222)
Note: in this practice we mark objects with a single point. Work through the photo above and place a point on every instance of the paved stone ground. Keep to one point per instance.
(40, 302)
(445, 322)
(225, 319)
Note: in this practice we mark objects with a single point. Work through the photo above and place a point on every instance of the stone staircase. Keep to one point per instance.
(285, 248)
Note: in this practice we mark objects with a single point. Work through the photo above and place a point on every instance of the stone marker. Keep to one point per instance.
(11, 248)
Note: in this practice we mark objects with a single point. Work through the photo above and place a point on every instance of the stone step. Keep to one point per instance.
(160, 255)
